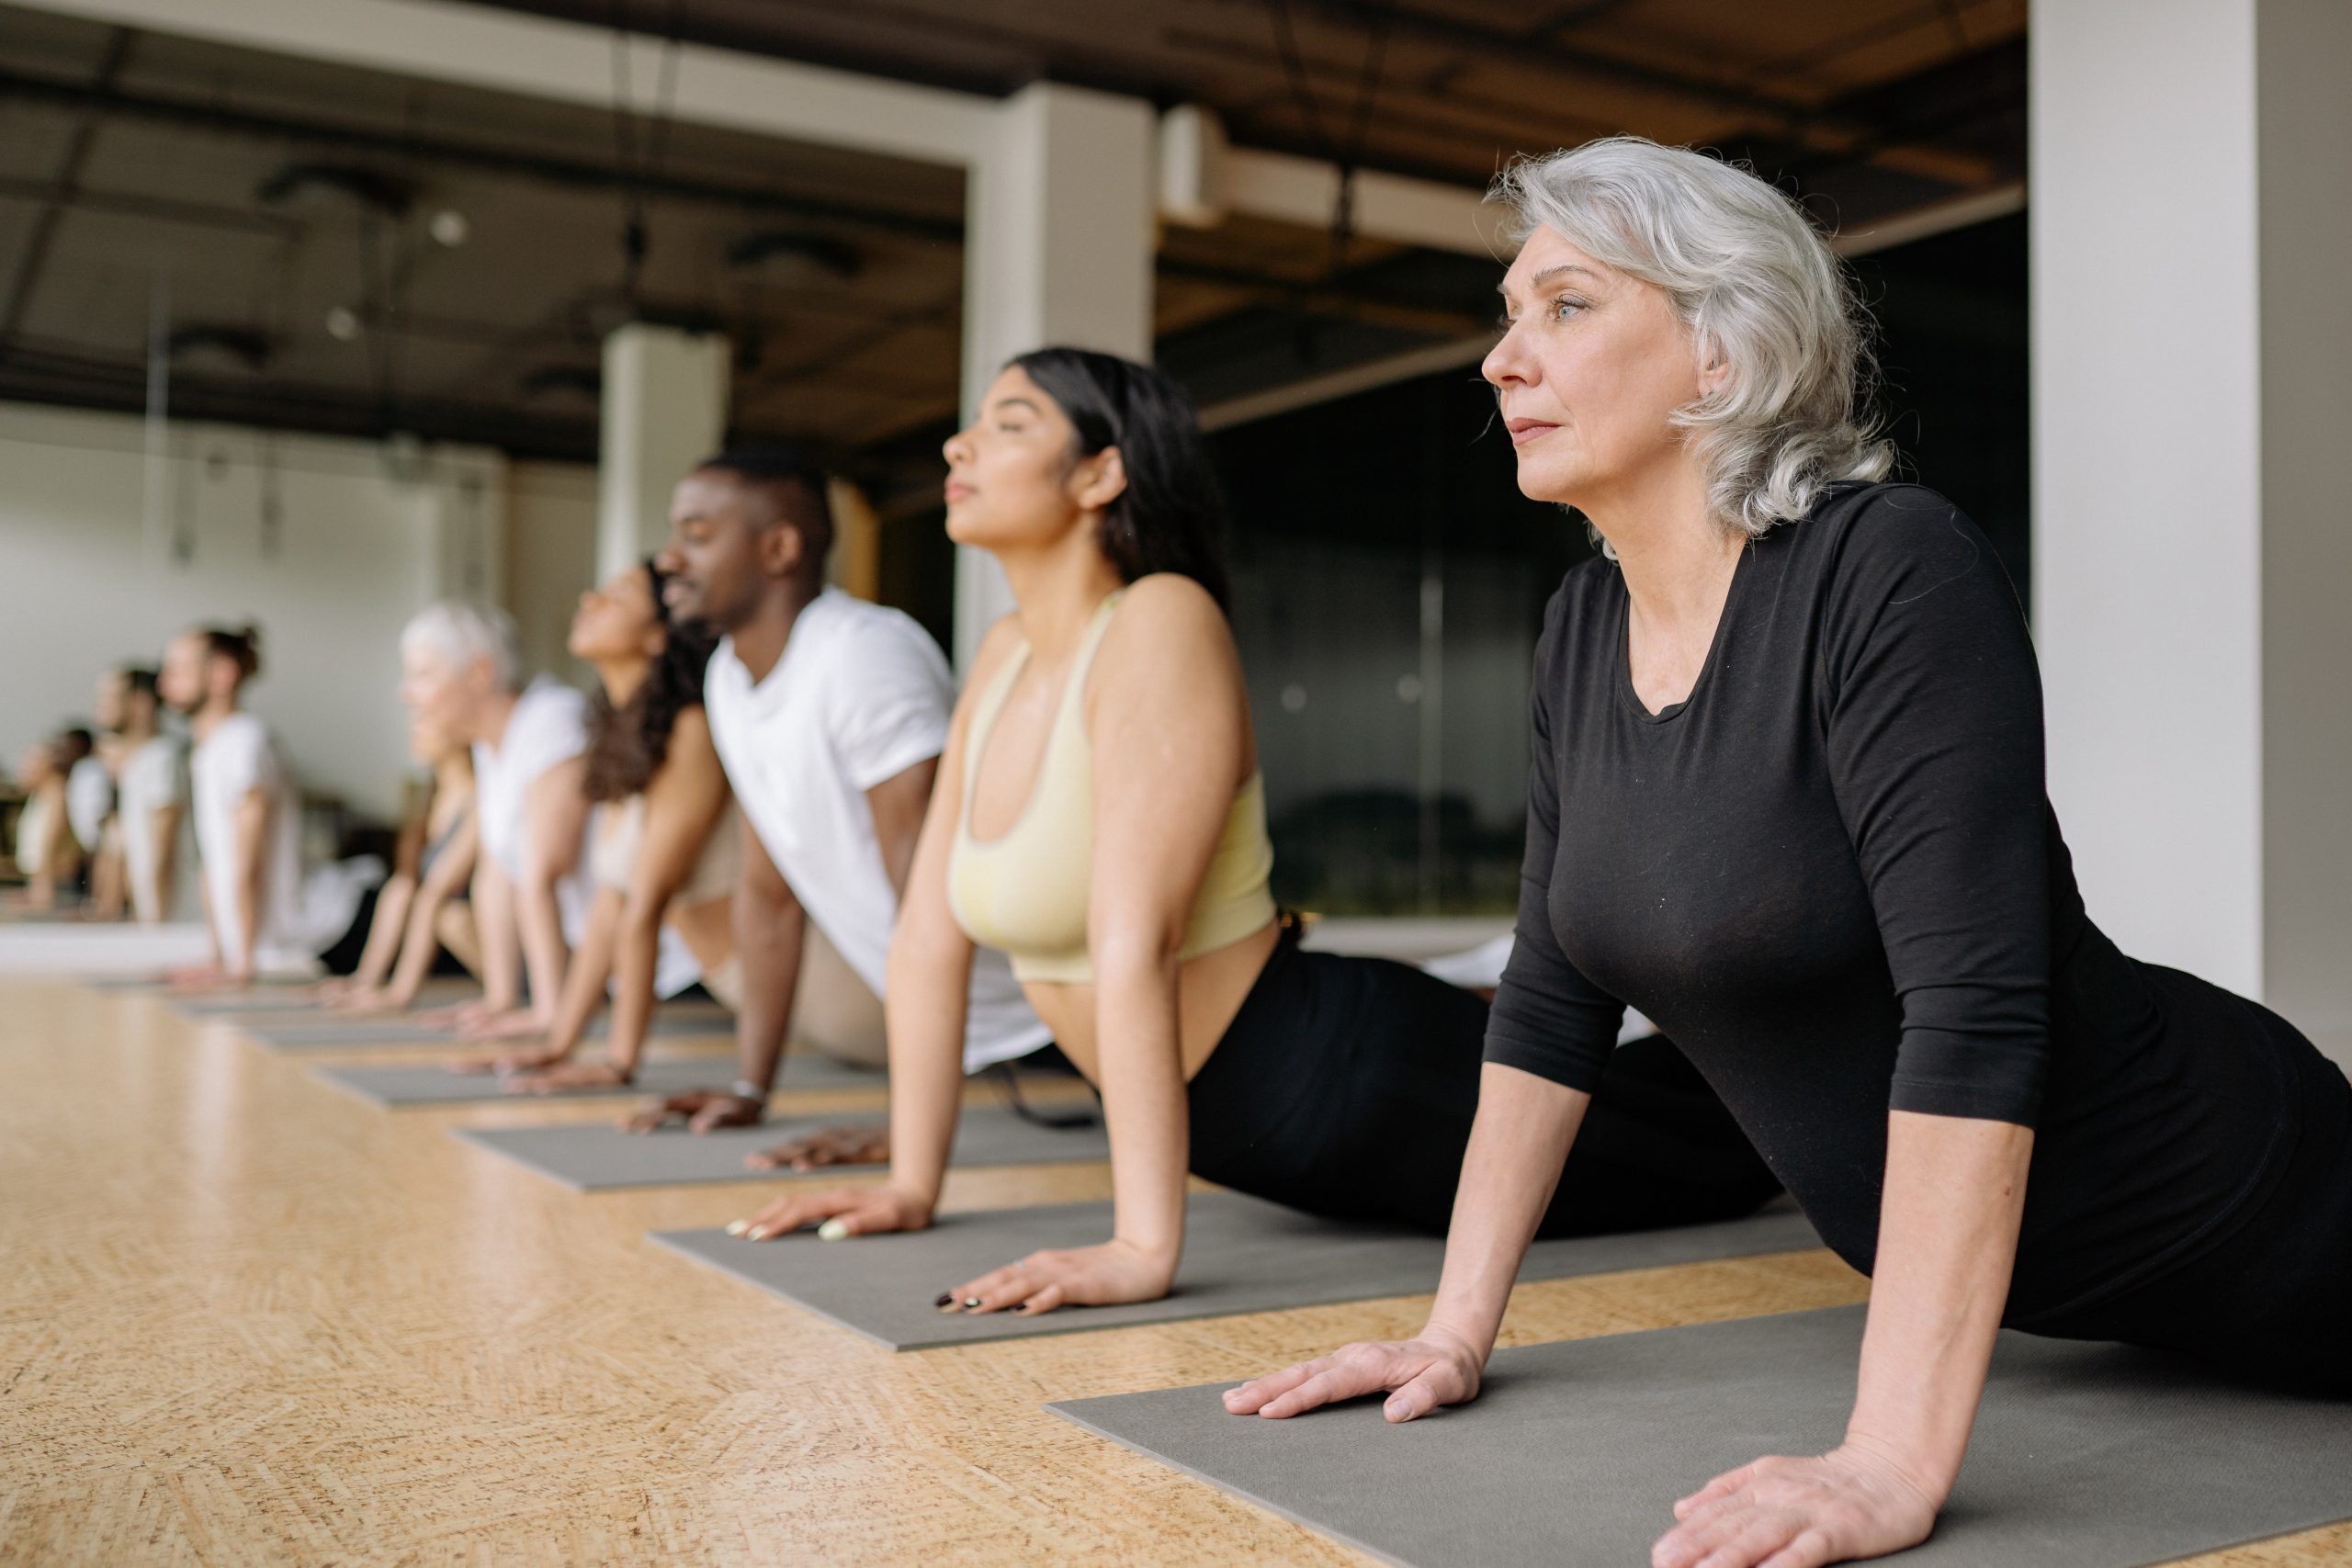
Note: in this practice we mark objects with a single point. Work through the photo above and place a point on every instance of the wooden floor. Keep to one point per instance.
(244, 1318)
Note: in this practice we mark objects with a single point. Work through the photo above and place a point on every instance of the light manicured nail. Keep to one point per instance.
(757, 1233)
(737, 1227)
(831, 1230)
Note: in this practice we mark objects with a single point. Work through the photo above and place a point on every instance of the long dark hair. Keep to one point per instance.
(627, 745)
(1171, 516)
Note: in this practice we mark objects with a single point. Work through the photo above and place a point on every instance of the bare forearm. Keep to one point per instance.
(1144, 1107)
(500, 949)
(1948, 1238)
(929, 988)
(636, 958)
(541, 923)
(584, 976)
(385, 929)
(1519, 1141)
(768, 935)
(420, 941)
(249, 897)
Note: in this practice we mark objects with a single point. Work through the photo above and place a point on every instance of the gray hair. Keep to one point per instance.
(459, 631)
(1757, 286)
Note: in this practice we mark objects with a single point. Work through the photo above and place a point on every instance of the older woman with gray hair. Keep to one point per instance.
(1788, 800)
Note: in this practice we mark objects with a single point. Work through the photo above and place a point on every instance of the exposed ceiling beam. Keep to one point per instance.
(34, 257)
(575, 172)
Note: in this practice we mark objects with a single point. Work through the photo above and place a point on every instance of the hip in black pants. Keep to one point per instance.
(1345, 1088)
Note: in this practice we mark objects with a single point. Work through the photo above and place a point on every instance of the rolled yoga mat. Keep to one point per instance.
(329, 1033)
(590, 1158)
(437, 1085)
(1241, 1255)
(2096, 1455)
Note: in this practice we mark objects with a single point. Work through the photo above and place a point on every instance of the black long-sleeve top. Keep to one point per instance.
(1832, 877)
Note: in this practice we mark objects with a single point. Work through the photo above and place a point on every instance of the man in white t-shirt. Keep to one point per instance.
(264, 918)
(830, 715)
(461, 671)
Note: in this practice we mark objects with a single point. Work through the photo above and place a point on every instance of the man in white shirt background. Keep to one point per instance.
(830, 715)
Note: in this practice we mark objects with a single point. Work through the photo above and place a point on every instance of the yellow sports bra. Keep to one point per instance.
(1026, 892)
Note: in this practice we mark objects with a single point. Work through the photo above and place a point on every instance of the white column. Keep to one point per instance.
(1057, 249)
(464, 513)
(2192, 546)
(664, 409)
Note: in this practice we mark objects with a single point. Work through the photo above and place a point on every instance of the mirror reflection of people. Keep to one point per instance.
(829, 714)
(665, 846)
(1789, 801)
(423, 910)
(461, 674)
(1101, 818)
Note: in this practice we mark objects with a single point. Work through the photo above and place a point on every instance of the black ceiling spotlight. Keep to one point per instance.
(822, 251)
(240, 346)
(370, 188)
(562, 380)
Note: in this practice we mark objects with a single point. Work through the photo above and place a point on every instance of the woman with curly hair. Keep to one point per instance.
(663, 848)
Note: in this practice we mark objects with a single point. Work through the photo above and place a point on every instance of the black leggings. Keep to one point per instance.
(1345, 1086)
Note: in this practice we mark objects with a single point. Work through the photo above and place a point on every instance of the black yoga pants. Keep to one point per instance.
(1345, 1088)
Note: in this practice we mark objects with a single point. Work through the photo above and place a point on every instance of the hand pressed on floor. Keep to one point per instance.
(1419, 1375)
(1106, 1275)
(701, 1110)
(840, 1212)
(1853, 1502)
(826, 1146)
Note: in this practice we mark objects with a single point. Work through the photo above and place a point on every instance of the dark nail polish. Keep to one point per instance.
(946, 1299)
(971, 1303)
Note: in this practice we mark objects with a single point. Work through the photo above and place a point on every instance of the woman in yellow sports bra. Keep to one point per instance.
(1100, 818)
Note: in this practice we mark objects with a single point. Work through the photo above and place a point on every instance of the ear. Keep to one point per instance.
(777, 548)
(1715, 369)
(1100, 480)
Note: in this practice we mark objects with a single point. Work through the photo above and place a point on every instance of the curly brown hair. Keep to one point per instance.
(627, 745)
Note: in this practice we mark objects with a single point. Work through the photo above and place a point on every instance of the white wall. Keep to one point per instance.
(2191, 165)
(550, 559)
(2304, 57)
(2146, 439)
(359, 550)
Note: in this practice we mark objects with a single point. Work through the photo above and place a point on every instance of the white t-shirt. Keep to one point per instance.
(154, 777)
(89, 800)
(238, 757)
(550, 726)
(861, 694)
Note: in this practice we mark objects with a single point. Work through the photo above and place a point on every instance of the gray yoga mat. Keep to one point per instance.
(2096, 1455)
(1241, 1255)
(589, 1159)
(437, 1085)
(358, 1033)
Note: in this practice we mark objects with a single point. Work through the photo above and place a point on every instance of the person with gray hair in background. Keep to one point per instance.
(1788, 800)
(461, 674)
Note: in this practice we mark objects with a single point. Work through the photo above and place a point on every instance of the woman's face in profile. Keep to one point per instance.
(1592, 364)
(1009, 472)
(619, 620)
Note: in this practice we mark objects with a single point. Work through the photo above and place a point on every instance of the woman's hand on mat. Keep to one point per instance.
(701, 1110)
(828, 1146)
(554, 1077)
(1855, 1501)
(1419, 1375)
(1106, 1275)
(838, 1211)
(514, 1023)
